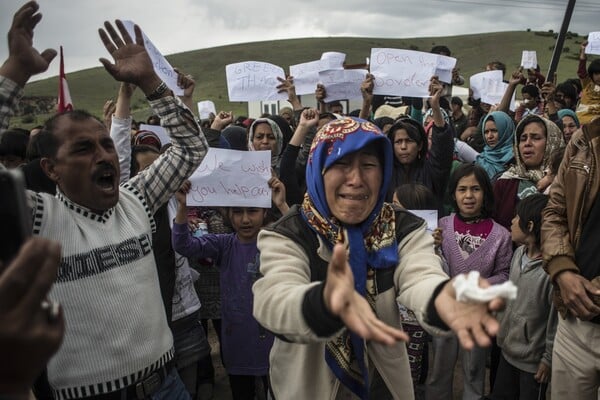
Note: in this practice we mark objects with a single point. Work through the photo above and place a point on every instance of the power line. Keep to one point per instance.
(517, 4)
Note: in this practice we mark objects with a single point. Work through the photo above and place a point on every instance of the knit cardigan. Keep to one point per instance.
(491, 259)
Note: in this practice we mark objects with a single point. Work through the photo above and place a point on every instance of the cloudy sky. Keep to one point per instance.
(180, 25)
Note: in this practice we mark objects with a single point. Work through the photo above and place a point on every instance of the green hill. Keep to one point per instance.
(92, 87)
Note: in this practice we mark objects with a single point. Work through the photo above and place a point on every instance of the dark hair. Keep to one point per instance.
(498, 65)
(414, 196)
(555, 159)
(530, 209)
(43, 144)
(354, 113)
(594, 68)
(139, 149)
(441, 49)
(576, 83)
(383, 121)
(414, 130)
(456, 100)
(531, 90)
(51, 124)
(568, 90)
(482, 178)
(13, 143)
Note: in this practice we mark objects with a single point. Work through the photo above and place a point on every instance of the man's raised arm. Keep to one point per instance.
(188, 144)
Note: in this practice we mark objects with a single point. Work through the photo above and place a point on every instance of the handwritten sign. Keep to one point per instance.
(335, 59)
(205, 108)
(306, 75)
(159, 131)
(232, 178)
(342, 84)
(253, 81)
(593, 46)
(493, 92)
(445, 65)
(430, 216)
(161, 66)
(479, 81)
(529, 59)
(402, 72)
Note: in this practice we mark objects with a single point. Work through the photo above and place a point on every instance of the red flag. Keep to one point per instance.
(64, 96)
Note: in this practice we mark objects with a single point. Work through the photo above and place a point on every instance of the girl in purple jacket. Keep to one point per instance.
(471, 241)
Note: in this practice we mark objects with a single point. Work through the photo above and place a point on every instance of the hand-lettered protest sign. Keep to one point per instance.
(254, 81)
(493, 91)
(232, 178)
(402, 72)
(335, 59)
(159, 131)
(161, 66)
(593, 46)
(479, 81)
(205, 108)
(445, 65)
(306, 75)
(342, 84)
(529, 59)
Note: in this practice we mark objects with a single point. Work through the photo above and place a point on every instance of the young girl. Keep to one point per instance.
(528, 325)
(245, 344)
(589, 105)
(471, 240)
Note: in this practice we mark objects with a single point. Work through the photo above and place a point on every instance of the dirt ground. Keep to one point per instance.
(222, 391)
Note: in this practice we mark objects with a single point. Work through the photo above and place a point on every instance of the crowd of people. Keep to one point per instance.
(338, 291)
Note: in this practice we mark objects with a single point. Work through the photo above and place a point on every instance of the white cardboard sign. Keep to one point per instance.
(205, 108)
(342, 84)
(593, 46)
(529, 59)
(161, 66)
(479, 81)
(306, 75)
(254, 81)
(402, 72)
(231, 178)
(335, 59)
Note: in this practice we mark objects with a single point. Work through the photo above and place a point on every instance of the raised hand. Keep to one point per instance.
(24, 60)
(342, 300)
(222, 120)
(132, 62)
(366, 87)
(309, 118)
(181, 194)
(278, 194)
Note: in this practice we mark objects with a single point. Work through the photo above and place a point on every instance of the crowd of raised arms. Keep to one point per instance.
(339, 290)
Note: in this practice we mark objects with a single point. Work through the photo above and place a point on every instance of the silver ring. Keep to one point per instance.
(52, 309)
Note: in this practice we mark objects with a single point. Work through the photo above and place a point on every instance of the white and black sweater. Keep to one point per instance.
(116, 330)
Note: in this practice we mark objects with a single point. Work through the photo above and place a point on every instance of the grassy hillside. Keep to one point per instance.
(92, 87)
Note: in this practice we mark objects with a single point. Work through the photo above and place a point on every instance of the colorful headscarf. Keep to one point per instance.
(494, 159)
(554, 141)
(371, 244)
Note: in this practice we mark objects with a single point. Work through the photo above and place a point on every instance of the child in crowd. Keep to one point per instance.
(471, 240)
(245, 344)
(528, 324)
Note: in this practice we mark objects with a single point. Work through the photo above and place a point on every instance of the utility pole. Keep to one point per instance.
(560, 41)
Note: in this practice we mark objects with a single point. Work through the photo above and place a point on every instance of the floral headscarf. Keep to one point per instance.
(371, 244)
(554, 141)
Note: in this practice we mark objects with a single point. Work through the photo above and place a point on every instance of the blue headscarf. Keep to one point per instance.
(495, 160)
(564, 112)
(371, 244)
